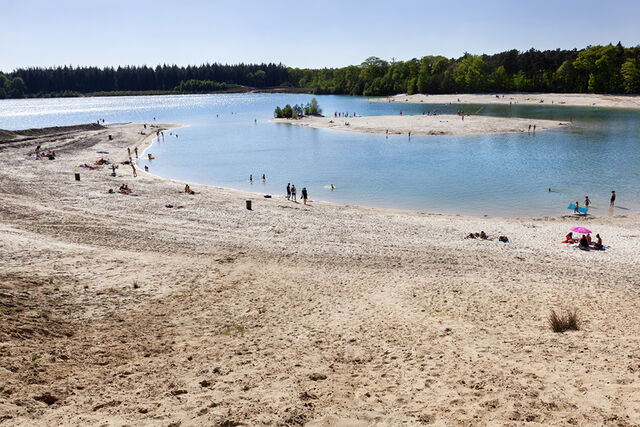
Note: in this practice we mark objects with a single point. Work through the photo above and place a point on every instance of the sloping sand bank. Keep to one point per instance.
(569, 99)
(425, 124)
(117, 310)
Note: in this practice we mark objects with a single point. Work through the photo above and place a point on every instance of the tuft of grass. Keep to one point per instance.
(564, 321)
(231, 329)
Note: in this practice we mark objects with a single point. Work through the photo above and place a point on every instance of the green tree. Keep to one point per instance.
(17, 88)
(631, 75)
(287, 111)
(312, 108)
(278, 113)
(500, 79)
(601, 64)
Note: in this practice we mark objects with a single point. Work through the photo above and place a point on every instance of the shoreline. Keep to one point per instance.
(555, 99)
(444, 124)
(118, 309)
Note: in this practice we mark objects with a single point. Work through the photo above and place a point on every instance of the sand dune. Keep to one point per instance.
(445, 124)
(117, 310)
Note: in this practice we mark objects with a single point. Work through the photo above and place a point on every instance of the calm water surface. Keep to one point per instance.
(495, 175)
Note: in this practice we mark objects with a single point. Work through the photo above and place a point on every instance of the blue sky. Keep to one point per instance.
(298, 33)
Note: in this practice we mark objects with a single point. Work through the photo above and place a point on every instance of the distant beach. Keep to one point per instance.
(568, 99)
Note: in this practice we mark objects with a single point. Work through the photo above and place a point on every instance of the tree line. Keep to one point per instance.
(596, 69)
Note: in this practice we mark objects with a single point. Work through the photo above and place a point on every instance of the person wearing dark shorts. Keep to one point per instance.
(613, 198)
(304, 195)
(288, 191)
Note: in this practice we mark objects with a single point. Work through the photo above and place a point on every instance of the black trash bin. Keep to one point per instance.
(77, 177)
(249, 204)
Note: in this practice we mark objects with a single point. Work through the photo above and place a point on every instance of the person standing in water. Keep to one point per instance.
(613, 198)
(136, 150)
(264, 178)
(250, 177)
(304, 195)
(587, 202)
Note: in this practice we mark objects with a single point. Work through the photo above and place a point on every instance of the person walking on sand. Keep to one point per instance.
(613, 198)
(304, 195)
(136, 149)
(288, 191)
(135, 174)
(293, 193)
(129, 150)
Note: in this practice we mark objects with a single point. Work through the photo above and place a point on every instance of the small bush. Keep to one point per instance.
(565, 321)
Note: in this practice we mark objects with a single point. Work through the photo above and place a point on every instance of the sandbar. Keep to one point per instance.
(441, 124)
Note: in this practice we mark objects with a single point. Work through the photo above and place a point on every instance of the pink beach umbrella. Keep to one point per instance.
(581, 230)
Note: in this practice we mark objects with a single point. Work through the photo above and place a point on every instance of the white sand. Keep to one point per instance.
(424, 124)
(574, 99)
(128, 312)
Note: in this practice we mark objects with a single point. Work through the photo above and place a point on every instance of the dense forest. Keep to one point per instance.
(597, 69)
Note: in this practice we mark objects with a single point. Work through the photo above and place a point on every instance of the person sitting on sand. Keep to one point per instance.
(583, 244)
(483, 235)
(124, 189)
(589, 238)
(569, 238)
(188, 190)
(598, 244)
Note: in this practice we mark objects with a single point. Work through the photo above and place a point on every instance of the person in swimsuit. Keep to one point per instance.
(293, 193)
(613, 198)
(304, 195)
(587, 202)
(288, 191)
(575, 210)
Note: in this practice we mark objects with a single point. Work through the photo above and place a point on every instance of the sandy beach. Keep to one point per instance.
(568, 99)
(120, 310)
(445, 124)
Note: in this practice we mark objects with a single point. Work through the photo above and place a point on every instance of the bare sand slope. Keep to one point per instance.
(425, 124)
(118, 310)
(573, 99)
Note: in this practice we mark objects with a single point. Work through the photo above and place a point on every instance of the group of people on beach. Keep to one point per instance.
(585, 242)
(345, 114)
(483, 236)
(41, 154)
(292, 193)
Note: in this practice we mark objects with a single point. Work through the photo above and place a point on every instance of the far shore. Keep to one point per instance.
(567, 99)
(445, 124)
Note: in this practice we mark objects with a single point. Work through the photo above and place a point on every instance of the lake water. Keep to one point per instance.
(496, 175)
